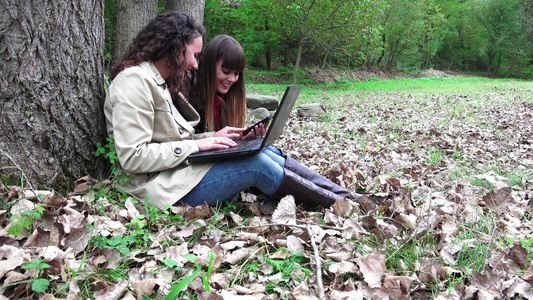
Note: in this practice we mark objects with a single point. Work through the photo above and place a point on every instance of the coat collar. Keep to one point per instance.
(150, 68)
(189, 117)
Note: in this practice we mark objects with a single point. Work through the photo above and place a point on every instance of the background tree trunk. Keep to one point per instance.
(131, 17)
(51, 90)
(268, 52)
(297, 63)
(194, 8)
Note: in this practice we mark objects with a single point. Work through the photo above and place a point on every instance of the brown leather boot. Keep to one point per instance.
(304, 191)
(318, 179)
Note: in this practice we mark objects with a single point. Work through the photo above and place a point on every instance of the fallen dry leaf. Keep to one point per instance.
(285, 213)
(373, 268)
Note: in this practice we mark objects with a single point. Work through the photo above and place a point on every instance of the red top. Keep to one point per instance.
(216, 111)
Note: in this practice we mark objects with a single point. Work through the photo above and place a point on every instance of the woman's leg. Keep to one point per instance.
(227, 178)
(275, 154)
(288, 163)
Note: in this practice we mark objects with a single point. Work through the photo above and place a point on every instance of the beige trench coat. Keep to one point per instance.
(152, 138)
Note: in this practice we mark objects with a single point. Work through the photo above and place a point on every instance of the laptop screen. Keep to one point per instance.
(282, 114)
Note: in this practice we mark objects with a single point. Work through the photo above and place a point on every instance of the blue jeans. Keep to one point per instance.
(229, 177)
(275, 155)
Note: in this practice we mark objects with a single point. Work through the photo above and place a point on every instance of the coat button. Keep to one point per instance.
(181, 130)
(177, 151)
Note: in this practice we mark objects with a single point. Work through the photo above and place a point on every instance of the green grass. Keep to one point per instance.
(435, 84)
(476, 240)
(345, 90)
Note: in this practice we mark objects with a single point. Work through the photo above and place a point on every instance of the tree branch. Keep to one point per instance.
(317, 263)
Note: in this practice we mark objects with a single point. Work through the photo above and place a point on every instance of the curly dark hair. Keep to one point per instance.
(168, 34)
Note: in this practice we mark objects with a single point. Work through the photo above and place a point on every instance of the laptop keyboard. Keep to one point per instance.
(242, 145)
(247, 144)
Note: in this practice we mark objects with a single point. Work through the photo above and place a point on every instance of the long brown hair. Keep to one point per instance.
(166, 35)
(233, 109)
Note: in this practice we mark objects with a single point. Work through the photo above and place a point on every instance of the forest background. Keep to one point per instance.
(493, 37)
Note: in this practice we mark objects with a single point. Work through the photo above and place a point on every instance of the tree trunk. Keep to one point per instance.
(497, 69)
(132, 16)
(268, 59)
(324, 60)
(297, 64)
(268, 52)
(382, 52)
(512, 66)
(426, 64)
(194, 8)
(451, 63)
(52, 90)
(491, 55)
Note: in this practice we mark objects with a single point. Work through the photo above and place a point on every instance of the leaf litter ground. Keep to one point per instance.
(446, 181)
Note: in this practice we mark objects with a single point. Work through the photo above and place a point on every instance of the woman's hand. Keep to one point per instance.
(215, 143)
(229, 132)
(258, 131)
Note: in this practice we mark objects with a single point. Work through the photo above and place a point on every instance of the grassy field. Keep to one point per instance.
(444, 167)
(429, 85)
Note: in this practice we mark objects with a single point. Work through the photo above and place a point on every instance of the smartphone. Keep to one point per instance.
(264, 122)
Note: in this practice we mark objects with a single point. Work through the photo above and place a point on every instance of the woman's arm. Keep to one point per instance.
(136, 102)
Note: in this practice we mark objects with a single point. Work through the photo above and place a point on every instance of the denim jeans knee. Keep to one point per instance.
(228, 177)
(275, 155)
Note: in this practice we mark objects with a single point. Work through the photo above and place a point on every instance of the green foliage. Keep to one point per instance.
(406, 256)
(182, 284)
(288, 265)
(528, 244)
(435, 157)
(39, 264)
(481, 183)
(493, 36)
(108, 150)
(518, 177)
(120, 243)
(474, 250)
(19, 222)
(110, 153)
(110, 23)
(39, 284)
(26, 220)
(185, 281)
(412, 34)
(206, 275)
(327, 118)
(344, 30)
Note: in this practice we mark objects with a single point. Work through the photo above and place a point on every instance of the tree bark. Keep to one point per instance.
(324, 60)
(515, 56)
(52, 90)
(297, 63)
(268, 52)
(194, 8)
(497, 69)
(132, 16)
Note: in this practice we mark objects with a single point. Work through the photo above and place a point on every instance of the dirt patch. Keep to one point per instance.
(320, 76)
(438, 73)
(269, 78)
(325, 76)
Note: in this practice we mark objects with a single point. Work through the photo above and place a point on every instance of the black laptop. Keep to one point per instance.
(253, 146)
